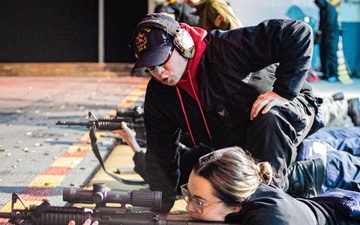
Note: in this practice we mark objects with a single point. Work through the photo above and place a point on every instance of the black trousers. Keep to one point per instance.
(274, 136)
(328, 54)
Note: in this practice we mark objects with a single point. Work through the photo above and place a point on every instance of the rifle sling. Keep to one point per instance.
(95, 149)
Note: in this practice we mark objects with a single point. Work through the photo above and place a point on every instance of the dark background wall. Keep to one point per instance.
(66, 30)
(121, 18)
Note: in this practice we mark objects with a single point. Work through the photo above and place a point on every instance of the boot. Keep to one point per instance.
(338, 96)
(354, 111)
(306, 178)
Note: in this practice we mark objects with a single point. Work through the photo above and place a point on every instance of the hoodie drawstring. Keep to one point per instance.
(198, 36)
(201, 111)
(186, 118)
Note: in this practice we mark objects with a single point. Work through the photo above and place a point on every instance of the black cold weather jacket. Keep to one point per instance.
(271, 206)
(227, 84)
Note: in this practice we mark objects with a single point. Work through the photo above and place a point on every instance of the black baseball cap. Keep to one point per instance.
(151, 43)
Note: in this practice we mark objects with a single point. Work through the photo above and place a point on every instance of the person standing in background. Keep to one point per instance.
(328, 40)
(179, 10)
(215, 14)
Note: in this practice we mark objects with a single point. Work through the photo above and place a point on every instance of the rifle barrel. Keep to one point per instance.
(86, 124)
(5, 215)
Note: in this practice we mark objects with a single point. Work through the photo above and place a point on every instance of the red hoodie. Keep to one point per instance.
(188, 81)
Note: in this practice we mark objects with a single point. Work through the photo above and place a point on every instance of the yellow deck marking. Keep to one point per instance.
(52, 181)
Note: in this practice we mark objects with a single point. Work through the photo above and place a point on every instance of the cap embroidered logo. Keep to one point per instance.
(141, 40)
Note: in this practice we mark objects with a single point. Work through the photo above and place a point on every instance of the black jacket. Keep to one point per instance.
(228, 85)
(328, 18)
(271, 206)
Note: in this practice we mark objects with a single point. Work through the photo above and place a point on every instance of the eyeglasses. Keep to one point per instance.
(197, 205)
(151, 68)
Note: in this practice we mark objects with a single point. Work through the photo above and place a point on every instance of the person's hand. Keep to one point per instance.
(265, 102)
(87, 222)
(128, 136)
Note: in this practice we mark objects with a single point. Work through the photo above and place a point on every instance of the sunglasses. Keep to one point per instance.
(151, 68)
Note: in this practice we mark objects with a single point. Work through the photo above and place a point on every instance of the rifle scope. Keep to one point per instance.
(99, 196)
(137, 111)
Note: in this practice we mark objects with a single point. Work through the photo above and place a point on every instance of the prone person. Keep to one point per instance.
(228, 185)
(243, 87)
(187, 160)
(341, 158)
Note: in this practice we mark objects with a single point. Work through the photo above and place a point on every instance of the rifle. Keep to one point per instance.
(45, 214)
(134, 117)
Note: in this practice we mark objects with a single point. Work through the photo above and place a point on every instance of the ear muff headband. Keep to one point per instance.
(181, 38)
(162, 24)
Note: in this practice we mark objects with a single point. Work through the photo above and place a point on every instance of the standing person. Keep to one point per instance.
(228, 185)
(328, 39)
(244, 87)
(215, 14)
(181, 11)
